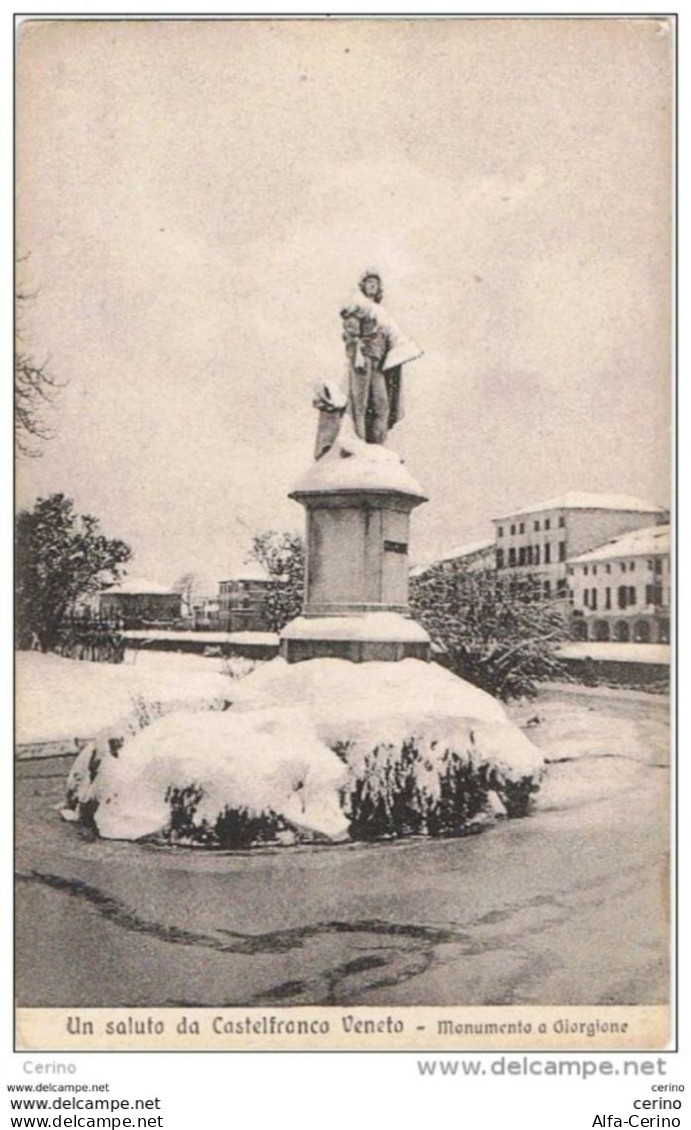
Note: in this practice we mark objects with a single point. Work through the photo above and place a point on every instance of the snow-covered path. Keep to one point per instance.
(565, 907)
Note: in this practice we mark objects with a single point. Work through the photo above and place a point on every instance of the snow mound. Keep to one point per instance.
(365, 705)
(325, 747)
(266, 764)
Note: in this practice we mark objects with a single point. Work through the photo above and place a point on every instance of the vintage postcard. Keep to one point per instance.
(344, 611)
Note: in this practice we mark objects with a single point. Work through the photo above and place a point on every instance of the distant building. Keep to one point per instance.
(206, 613)
(540, 539)
(476, 557)
(241, 600)
(137, 602)
(621, 590)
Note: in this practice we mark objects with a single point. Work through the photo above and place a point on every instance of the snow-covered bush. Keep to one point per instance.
(500, 634)
(369, 750)
(213, 778)
(235, 828)
(400, 792)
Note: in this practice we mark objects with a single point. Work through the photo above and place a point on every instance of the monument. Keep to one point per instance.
(358, 497)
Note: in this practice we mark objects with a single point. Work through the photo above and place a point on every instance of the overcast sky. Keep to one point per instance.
(197, 200)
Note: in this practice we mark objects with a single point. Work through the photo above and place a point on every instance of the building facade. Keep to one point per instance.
(137, 603)
(206, 613)
(241, 600)
(540, 540)
(621, 590)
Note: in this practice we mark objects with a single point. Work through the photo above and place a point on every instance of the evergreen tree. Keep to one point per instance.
(60, 558)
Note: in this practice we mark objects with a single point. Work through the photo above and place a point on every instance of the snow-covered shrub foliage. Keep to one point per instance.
(89, 640)
(213, 778)
(397, 792)
(499, 633)
(426, 752)
(235, 828)
(370, 751)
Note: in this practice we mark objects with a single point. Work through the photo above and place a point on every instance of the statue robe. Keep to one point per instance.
(400, 349)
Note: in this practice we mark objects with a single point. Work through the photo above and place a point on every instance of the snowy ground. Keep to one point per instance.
(63, 700)
(567, 906)
(266, 639)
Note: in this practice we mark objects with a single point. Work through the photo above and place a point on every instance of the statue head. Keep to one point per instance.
(371, 285)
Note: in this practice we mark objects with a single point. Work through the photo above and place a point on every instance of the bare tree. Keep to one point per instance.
(34, 389)
(188, 586)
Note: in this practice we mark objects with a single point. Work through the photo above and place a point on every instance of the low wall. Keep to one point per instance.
(612, 672)
(198, 644)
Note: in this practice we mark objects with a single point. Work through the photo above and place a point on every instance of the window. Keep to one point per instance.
(547, 524)
(512, 557)
(562, 553)
(632, 594)
(547, 588)
(521, 528)
(608, 598)
(623, 566)
(632, 566)
(593, 600)
(585, 598)
(536, 525)
(537, 555)
(621, 596)
(500, 531)
(562, 522)
(585, 570)
(595, 570)
(658, 564)
(561, 588)
(529, 555)
(500, 559)
(513, 529)
(608, 568)
(548, 555)
(521, 555)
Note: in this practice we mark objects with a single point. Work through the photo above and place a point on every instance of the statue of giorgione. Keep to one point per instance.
(376, 350)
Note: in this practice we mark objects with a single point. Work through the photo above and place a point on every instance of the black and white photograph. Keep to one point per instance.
(344, 609)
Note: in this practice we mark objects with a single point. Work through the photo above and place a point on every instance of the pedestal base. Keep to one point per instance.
(379, 636)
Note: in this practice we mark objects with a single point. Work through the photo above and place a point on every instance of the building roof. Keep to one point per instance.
(582, 500)
(251, 572)
(139, 586)
(473, 549)
(637, 543)
(466, 550)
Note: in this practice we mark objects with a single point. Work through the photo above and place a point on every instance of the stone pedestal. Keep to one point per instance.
(358, 508)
